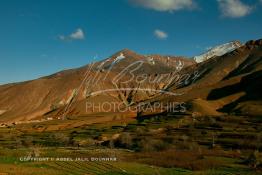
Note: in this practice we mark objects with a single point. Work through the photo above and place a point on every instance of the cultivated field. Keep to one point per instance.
(156, 145)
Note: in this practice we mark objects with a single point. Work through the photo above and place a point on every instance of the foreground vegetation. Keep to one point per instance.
(155, 145)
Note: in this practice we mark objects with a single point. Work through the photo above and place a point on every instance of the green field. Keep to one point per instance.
(158, 145)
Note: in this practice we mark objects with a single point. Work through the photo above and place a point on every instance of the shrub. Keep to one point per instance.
(253, 159)
(125, 140)
(61, 139)
(149, 145)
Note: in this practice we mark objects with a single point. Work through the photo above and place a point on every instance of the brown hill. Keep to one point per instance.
(68, 91)
(218, 86)
(232, 81)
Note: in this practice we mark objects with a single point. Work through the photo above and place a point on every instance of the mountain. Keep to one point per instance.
(151, 63)
(218, 51)
(51, 95)
(227, 84)
(219, 86)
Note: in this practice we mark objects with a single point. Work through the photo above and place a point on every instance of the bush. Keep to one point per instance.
(125, 140)
(253, 159)
(28, 141)
(61, 139)
(149, 145)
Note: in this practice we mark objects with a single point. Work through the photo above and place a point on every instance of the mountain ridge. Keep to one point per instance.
(218, 50)
(50, 96)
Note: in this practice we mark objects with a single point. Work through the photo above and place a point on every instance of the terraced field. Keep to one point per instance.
(156, 145)
(14, 167)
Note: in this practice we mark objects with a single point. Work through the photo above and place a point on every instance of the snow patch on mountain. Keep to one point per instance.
(119, 58)
(218, 51)
(112, 61)
(150, 60)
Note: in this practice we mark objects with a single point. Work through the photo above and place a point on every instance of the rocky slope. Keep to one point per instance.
(229, 84)
(224, 84)
(68, 91)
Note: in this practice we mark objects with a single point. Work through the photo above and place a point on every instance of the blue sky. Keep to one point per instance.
(40, 37)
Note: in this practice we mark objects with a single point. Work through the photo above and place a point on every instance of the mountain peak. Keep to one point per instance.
(124, 52)
(218, 51)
